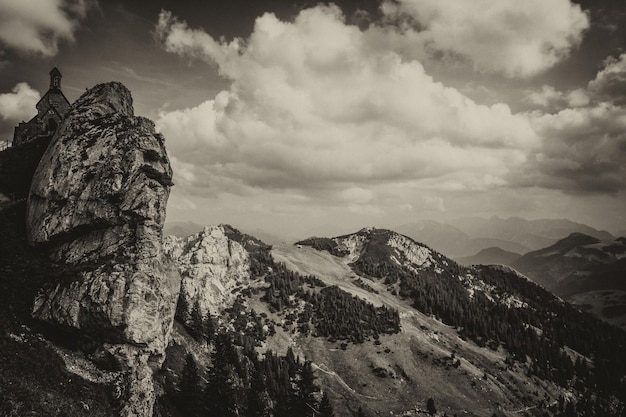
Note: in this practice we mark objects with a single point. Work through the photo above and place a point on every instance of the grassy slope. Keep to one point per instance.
(416, 361)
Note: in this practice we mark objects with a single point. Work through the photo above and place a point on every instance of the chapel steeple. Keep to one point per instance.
(55, 79)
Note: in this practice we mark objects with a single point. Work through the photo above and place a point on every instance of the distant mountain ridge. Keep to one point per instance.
(577, 255)
(585, 270)
(465, 237)
(491, 256)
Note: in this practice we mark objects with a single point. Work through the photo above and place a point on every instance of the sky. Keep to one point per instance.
(303, 117)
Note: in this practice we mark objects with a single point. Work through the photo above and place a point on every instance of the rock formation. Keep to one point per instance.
(211, 264)
(97, 207)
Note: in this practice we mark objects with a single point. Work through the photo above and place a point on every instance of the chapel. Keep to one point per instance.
(51, 110)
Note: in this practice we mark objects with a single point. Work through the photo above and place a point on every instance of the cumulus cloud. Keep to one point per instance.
(316, 107)
(517, 38)
(584, 148)
(584, 151)
(37, 26)
(550, 98)
(610, 83)
(19, 104)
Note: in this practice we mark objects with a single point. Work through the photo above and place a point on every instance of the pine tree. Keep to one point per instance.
(182, 309)
(220, 393)
(360, 412)
(305, 403)
(430, 406)
(326, 408)
(196, 319)
(190, 391)
(258, 398)
(209, 328)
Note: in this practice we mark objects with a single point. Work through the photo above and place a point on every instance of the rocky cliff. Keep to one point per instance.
(97, 207)
(212, 266)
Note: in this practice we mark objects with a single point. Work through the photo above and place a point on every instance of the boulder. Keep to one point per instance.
(97, 206)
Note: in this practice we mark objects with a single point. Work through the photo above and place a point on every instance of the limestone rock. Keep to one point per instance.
(212, 266)
(97, 206)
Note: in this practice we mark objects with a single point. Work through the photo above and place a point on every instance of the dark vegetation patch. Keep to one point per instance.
(33, 379)
(258, 250)
(332, 312)
(150, 155)
(238, 382)
(23, 270)
(18, 164)
(323, 243)
(614, 311)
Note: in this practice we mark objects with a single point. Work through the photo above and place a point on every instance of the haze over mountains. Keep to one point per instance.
(467, 236)
(457, 238)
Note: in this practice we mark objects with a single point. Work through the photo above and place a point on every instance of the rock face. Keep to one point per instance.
(97, 206)
(212, 266)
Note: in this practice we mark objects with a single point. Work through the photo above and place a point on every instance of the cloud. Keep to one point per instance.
(584, 148)
(584, 151)
(610, 83)
(550, 98)
(19, 104)
(37, 26)
(517, 38)
(317, 108)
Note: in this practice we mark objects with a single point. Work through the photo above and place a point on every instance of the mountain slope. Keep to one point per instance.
(491, 256)
(488, 306)
(584, 269)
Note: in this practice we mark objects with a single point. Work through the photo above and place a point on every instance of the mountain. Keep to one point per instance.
(491, 256)
(533, 234)
(453, 241)
(465, 237)
(428, 285)
(369, 314)
(583, 269)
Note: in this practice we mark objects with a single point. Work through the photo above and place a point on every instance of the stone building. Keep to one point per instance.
(51, 110)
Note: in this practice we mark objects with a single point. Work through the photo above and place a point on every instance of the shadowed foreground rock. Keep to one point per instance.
(97, 206)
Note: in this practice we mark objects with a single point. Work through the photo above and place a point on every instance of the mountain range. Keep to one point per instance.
(585, 270)
(405, 311)
(466, 237)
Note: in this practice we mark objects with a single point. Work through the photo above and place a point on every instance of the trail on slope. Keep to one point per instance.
(324, 369)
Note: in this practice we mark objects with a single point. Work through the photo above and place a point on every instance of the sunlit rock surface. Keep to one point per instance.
(212, 266)
(97, 206)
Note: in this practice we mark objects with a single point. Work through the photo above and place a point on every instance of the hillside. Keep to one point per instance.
(373, 312)
(429, 283)
(584, 270)
(491, 256)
